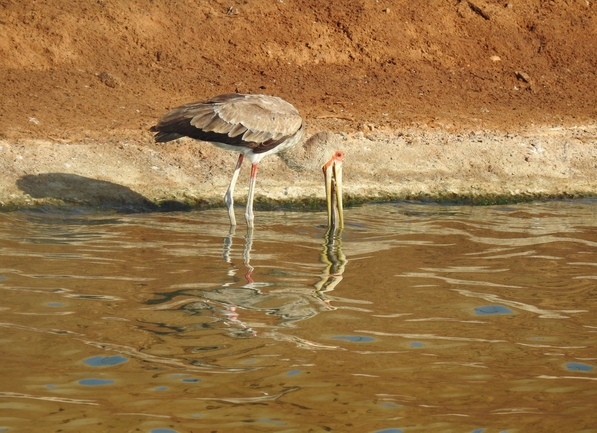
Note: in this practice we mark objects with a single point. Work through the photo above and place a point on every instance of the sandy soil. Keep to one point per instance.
(441, 99)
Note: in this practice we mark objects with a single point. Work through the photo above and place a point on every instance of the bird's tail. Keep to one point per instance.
(163, 137)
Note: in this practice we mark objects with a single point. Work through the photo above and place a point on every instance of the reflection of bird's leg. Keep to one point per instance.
(228, 245)
(249, 211)
(228, 198)
(227, 254)
(229, 310)
(247, 256)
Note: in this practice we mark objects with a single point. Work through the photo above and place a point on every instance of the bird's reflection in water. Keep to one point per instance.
(331, 255)
(246, 308)
(335, 261)
(227, 254)
(292, 309)
(229, 311)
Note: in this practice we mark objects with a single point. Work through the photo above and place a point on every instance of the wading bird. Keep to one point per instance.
(256, 126)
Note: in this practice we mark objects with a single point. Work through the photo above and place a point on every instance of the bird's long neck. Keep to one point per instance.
(309, 154)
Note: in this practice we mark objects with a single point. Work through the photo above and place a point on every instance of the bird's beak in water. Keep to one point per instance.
(332, 171)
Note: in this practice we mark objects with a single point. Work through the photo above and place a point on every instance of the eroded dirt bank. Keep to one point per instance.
(440, 99)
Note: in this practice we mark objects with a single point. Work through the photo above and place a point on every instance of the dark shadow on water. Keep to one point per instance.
(83, 191)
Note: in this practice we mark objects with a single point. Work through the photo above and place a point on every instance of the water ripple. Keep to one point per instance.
(48, 398)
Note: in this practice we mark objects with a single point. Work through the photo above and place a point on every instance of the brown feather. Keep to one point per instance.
(259, 122)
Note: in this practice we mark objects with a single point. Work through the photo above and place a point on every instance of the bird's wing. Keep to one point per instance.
(259, 122)
(264, 117)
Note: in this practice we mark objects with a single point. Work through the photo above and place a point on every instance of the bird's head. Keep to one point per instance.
(321, 151)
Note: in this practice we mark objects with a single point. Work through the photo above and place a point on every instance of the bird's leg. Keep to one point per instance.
(249, 211)
(228, 198)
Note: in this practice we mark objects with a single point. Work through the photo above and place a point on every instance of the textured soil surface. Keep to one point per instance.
(441, 99)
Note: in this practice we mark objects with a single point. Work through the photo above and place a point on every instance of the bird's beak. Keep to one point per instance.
(332, 172)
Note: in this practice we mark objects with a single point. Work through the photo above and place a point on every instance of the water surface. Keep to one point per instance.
(417, 318)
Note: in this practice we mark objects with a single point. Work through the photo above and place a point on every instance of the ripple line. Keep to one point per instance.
(566, 377)
(544, 314)
(47, 398)
(241, 400)
(429, 337)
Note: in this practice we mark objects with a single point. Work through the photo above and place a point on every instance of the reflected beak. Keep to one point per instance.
(332, 172)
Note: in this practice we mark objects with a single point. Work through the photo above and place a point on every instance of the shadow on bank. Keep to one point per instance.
(82, 191)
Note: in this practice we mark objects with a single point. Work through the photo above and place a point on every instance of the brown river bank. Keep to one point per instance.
(480, 167)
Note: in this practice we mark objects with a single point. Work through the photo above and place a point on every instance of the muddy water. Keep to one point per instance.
(417, 318)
